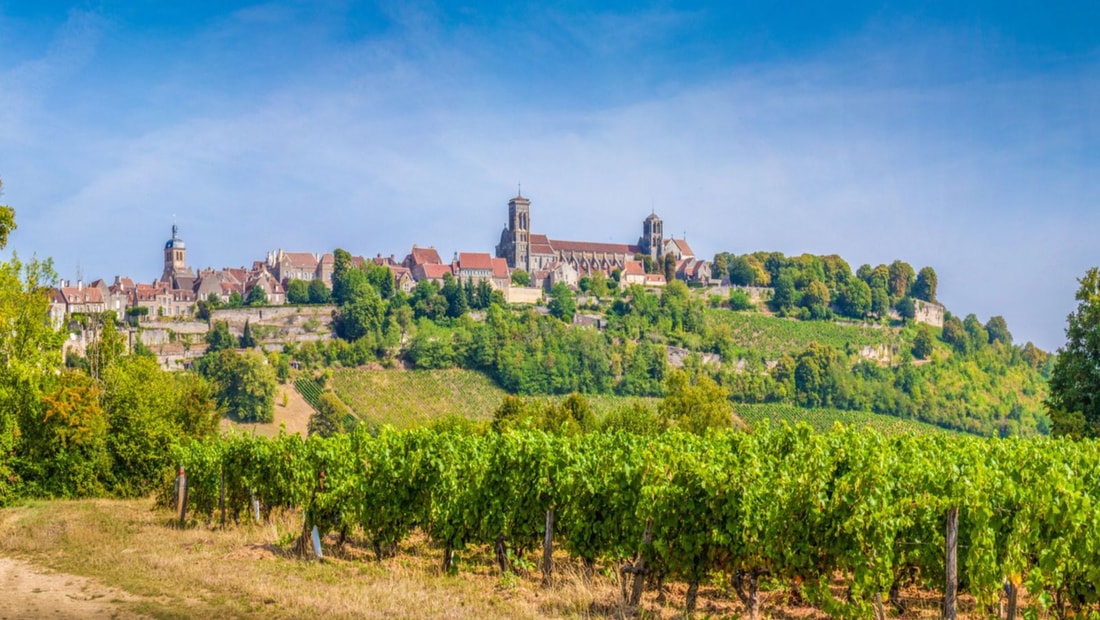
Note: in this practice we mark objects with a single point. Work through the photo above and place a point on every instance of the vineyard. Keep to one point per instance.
(823, 419)
(406, 399)
(777, 508)
(310, 390)
(772, 337)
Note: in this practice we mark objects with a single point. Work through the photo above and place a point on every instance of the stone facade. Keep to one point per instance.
(539, 255)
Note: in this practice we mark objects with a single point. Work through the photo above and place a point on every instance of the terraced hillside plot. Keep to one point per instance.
(772, 336)
(409, 398)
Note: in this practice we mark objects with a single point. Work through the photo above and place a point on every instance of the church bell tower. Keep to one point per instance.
(519, 228)
(652, 240)
(175, 256)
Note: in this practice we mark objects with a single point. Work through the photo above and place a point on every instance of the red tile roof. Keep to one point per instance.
(425, 256)
(596, 248)
(431, 272)
(500, 268)
(541, 245)
(301, 260)
(633, 268)
(75, 295)
(475, 260)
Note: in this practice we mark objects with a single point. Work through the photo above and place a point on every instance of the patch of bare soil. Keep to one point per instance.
(30, 592)
(294, 416)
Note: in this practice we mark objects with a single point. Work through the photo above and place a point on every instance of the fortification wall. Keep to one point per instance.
(929, 313)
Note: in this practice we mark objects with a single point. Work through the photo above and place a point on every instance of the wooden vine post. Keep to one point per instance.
(951, 564)
(221, 498)
(639, 569)
(181, 496)
(1013, 591)
(548, 549)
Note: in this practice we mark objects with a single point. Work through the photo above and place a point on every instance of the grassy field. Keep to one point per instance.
(405, 399)
(126, 559)
(772, 336)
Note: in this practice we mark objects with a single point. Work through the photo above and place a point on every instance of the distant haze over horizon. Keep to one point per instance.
(966, 138)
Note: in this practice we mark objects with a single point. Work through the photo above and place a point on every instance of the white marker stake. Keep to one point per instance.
(316, 536)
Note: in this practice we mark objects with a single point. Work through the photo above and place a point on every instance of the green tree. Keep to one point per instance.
(512, 412)
(817, 375)
(381, 278)
(742, 272)
(341, 271)
(816, 299)
(247, 340)
(318, 292)
(256, 296)
(244, 384)
(64, 439)
(598, 285)
(563, 304)
(7, 220)
(235, 300)
(901, 278)
(144, 409)
(669, 267)
(197, 413)
(695, 406)
(955, 335)
(361, 314)
(925, 287)
(328, 419)
(907, 308)
(455, 296)
(880, 300)
(297, 292)
(521, 277)
(1074, 398)
(978, 336)
(219, 338)
(785, 296)
(740, 300)
(30, 351)
(923, 343)
(997, 328)
(107, 347)
(427, 301)
(855, 299)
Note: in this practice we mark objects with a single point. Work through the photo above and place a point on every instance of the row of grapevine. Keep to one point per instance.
(310, 390)
(823, 418)
(785, 504)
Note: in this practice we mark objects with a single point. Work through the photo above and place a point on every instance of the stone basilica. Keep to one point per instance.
(535, 253)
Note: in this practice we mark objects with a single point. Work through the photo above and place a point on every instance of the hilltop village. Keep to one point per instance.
(174, 297)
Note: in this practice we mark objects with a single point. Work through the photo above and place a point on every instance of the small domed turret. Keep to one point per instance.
(175, 241)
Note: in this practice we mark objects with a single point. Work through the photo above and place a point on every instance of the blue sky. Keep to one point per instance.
(965, 136)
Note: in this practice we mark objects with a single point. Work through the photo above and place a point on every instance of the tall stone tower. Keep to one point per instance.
(175, 256)
(652, 241)
(515, 241)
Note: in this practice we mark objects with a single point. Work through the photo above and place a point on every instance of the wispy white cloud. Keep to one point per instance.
(400, 138)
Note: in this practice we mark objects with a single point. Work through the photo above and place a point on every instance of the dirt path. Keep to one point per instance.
(27, 591)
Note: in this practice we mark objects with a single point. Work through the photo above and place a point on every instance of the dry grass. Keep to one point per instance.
(293, 418)
(243, 571)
